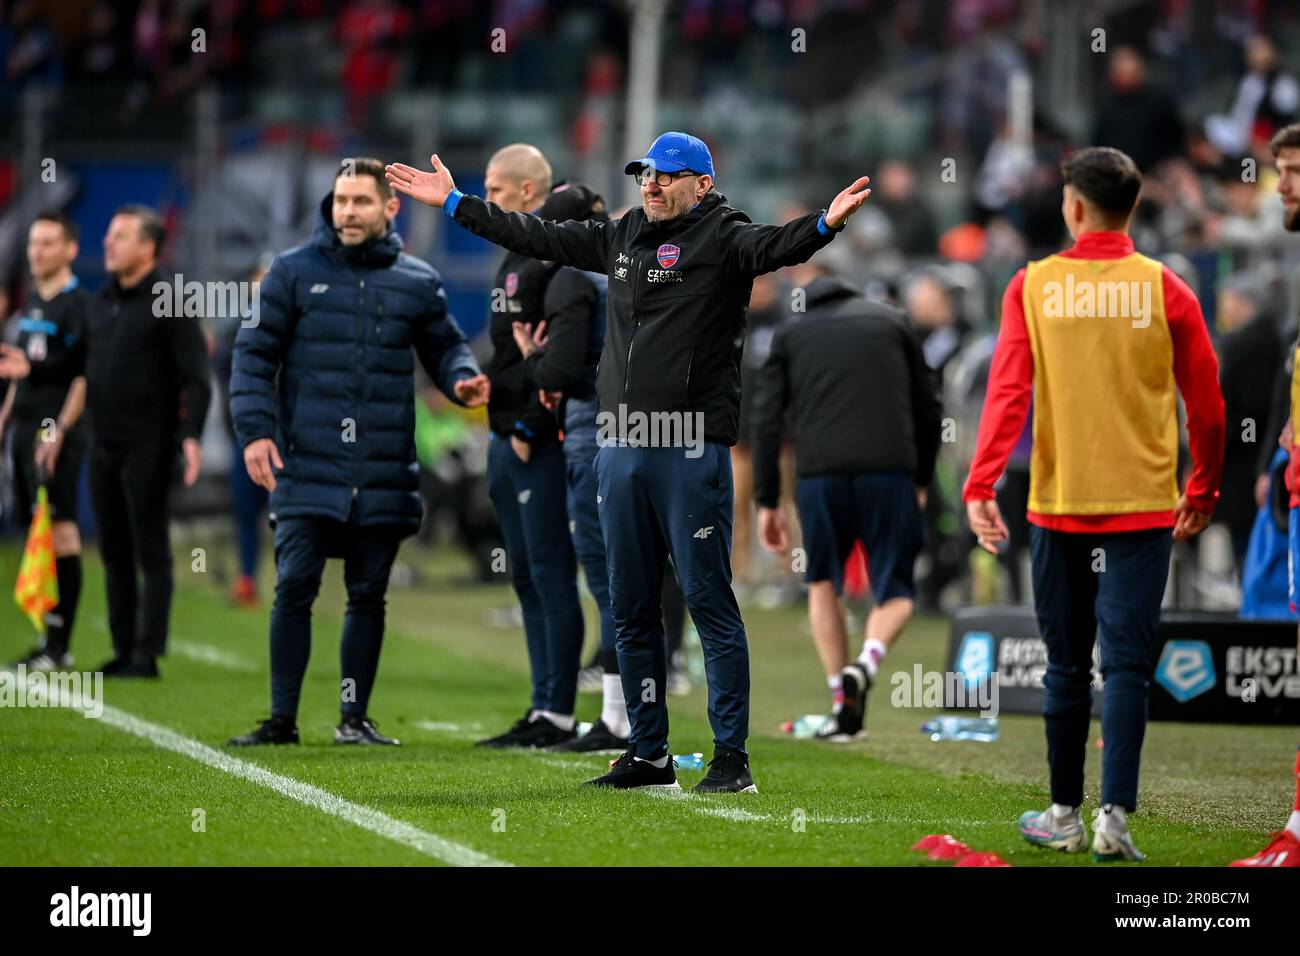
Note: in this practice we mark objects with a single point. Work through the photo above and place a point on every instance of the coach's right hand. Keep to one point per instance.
(259, 456)
(430, 188)
(986, 522)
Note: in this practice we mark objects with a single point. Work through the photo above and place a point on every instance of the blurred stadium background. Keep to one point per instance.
(959, 110)
(231, 115)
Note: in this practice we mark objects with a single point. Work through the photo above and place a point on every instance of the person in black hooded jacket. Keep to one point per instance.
(680, 270)
(865, 414)
(526, 474)
(561, 353)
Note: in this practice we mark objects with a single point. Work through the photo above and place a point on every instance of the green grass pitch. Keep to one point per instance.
(79, 791)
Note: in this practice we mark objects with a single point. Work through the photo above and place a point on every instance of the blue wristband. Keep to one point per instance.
(825, 229)
(453, 200)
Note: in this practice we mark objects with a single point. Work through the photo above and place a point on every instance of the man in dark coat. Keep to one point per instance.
(324, 374)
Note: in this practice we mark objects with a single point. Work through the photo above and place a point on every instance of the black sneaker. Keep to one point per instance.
(728, 773)
(837, 728)
(510, 737)
(626, 773)
(360, 729)
(42, 659)
(542, 733)
(855, 681)
(145, 667)
(275, 730)
(599, 740)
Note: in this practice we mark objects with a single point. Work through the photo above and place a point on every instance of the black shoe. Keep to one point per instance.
(510, 737)
(43, 659)
(276, 730)
(542, 733)
(625, 773)
(855, 681)
(837, 728)
(599, 740)
(728, 773)
(145, 667)
(113, 667)
(359, 729)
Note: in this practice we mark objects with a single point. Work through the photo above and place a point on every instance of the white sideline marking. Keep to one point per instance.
(562, 764)
(207, 654)
(749, 816)
(368, 818)
(455, 730)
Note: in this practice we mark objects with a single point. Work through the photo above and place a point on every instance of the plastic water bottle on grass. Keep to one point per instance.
(982, 729)
(802, 728)
(688, 761)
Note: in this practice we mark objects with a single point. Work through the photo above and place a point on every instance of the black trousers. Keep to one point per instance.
(129, 489)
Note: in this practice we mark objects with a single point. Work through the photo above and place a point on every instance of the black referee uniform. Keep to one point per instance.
(52, 334)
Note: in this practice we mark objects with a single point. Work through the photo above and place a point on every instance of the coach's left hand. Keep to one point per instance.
(847, 203)
(1188, 522)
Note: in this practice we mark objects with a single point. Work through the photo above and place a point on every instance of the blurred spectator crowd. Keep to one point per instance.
(913, 92)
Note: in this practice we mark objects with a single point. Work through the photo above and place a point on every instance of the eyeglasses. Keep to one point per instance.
(661, 178)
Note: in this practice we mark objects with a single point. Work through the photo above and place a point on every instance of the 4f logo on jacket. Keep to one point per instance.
(703, 533)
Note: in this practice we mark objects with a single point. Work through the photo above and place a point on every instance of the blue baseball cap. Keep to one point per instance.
(675, 153)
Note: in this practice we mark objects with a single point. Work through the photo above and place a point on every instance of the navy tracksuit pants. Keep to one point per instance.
(530, 503)
(301, 548)
(584, 520)
(1120, 607)
(657, 502)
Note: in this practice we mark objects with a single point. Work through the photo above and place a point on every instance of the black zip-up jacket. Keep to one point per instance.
(575, 331)
(514, 408)
(860, 396)
(677, 296)
(146, 375)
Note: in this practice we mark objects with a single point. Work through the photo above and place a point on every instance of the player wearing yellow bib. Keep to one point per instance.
(1102, 339)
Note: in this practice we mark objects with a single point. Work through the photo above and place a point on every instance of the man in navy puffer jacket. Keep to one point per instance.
(322, 398)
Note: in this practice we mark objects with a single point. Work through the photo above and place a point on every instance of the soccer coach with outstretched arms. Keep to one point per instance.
(680, 270)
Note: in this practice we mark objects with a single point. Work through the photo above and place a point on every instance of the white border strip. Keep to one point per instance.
(368, 818)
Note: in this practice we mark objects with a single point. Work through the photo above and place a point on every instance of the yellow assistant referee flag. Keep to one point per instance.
(37, 588)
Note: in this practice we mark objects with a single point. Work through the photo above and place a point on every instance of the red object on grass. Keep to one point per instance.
(981, 859)
(929, 842)
(949, 848)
